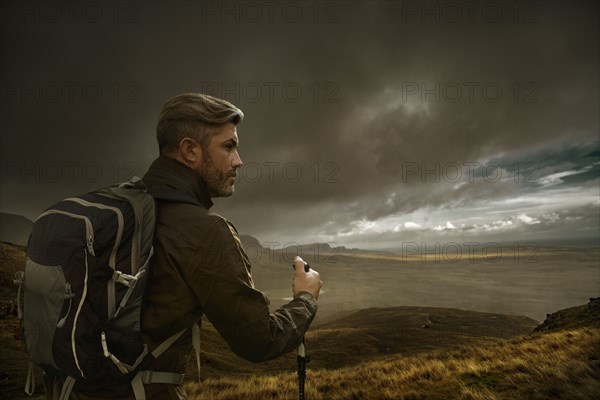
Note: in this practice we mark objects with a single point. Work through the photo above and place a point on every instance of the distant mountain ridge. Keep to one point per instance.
(15, 228)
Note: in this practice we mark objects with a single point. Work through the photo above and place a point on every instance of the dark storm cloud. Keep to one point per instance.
(345, 109)
(372, 150)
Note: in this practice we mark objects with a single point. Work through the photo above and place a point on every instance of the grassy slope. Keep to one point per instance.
(556, 365)
(562, 361)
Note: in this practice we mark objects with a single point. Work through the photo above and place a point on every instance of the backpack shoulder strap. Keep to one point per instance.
(136, 193)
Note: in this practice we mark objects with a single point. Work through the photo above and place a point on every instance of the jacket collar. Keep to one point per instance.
(170, 173)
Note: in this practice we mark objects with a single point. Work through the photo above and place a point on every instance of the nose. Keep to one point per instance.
(237, 160)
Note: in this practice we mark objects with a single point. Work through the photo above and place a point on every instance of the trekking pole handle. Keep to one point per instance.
(306, 266)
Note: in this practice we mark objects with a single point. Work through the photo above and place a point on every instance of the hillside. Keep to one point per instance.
(574, 317)
(556, 365)
(412, 330)
(561, 361)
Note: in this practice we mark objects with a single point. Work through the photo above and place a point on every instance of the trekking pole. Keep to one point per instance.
(302, 358)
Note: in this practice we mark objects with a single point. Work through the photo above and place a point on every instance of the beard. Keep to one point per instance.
(218, 181)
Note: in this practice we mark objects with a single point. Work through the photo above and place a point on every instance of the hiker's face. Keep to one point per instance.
(219, 162)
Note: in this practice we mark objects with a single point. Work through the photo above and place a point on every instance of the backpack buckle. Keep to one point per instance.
(124, 279)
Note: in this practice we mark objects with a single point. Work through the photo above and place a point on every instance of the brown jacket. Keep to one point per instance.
(200, 267)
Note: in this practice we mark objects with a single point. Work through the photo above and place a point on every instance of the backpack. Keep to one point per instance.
(85, 275)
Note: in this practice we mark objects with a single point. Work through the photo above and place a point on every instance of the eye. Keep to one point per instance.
(230, 146)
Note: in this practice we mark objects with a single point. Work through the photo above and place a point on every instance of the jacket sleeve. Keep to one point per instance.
(219, 275)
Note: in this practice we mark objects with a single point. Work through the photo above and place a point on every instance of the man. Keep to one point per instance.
(200, 266)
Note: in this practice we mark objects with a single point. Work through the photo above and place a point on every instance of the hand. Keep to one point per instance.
(305, 281)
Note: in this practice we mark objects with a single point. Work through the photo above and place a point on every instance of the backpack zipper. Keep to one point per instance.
(83, 296)
(120, 221)
(89, 230)
(112, 262)
(68, 295)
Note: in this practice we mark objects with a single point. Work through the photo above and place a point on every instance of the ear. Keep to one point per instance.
(190, 151)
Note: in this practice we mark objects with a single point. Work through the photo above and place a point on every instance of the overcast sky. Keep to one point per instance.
(368, 124)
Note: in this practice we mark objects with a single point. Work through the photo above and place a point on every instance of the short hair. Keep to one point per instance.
(193, 115)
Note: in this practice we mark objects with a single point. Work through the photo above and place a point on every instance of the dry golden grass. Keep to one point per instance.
(559, 365)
